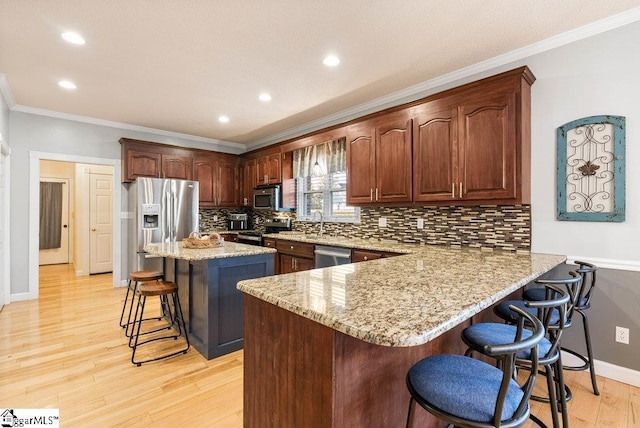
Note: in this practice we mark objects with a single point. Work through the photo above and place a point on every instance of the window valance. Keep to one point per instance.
(330, 157)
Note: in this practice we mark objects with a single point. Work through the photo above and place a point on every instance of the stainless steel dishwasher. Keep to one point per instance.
(331, 256)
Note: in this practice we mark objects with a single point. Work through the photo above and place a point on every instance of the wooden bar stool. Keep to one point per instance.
(166, 290)
(135, 278)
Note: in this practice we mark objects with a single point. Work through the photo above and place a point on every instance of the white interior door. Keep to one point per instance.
(59, 255)
(101, 223)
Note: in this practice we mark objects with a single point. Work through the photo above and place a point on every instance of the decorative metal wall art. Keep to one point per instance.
(591, 183)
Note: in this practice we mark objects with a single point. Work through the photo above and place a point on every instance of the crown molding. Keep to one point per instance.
(125, 126)
(429, 87)
(5, 90)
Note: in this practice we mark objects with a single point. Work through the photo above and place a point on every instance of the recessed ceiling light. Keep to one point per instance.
(265, 97)
(331, 61)
(72, 37)
(67, 84)
(223, 119)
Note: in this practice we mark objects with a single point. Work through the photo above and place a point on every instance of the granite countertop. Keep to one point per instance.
(406, 300)
(229, 249)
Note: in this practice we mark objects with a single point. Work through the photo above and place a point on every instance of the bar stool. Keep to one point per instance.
(580, 302)
(135, 278)
(162, 289)
(553, 312)
(467, 392)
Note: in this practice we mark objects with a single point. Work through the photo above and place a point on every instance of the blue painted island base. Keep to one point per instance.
(212, 305)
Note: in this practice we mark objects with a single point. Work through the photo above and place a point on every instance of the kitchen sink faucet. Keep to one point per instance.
(313, 218)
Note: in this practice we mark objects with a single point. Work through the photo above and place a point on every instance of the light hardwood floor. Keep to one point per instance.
(66, 351)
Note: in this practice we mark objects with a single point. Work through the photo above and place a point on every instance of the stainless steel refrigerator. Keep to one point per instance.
(166, 210)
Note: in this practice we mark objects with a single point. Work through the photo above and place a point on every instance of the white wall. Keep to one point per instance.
(595, 76)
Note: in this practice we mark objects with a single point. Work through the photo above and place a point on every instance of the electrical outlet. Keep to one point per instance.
(215, 218)
(382, 222)
(420, 223)
(622, 335)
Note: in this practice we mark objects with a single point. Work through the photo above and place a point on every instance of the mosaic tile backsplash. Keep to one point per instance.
(506, 227)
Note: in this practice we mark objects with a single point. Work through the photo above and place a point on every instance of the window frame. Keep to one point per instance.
(327, 192)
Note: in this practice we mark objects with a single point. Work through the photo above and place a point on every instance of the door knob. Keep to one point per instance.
(93, 229)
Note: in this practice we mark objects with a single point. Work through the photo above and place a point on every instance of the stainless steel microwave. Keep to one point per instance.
(267, 197)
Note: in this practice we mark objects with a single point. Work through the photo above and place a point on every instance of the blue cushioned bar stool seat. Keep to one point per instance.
(552, 311)
(471, 393)
(580, 302)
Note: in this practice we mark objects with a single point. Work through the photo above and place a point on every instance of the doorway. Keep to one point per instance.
(54, 223)
(83, 165)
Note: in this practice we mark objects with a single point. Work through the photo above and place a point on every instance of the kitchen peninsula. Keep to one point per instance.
(331, 347)
(207, 278)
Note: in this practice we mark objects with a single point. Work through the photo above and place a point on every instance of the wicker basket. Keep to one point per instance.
(195, 241)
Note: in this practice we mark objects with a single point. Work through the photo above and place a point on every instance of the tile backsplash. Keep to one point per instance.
(506, 227)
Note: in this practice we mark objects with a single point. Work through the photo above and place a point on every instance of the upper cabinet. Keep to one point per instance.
(217, 177)
(379, 160)
(216, 173)
(468, 145)
(248, 178)
(142, 159)
(473, 146)
(268, 169)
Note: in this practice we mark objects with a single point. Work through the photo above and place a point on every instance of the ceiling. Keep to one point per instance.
(175, 66)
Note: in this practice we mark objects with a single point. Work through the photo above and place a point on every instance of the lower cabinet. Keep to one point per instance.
(295, 256)
(229, 237)
(365, 255)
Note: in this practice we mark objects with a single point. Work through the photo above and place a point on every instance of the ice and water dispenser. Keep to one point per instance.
(150, 216)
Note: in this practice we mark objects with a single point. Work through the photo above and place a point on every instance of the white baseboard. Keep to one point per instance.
(123, 283)
(17, 297)
(608, 370)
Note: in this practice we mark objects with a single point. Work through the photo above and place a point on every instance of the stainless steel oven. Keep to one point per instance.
(250, 237)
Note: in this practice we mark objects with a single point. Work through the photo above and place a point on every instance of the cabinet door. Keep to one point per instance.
(285, 264)
(227, 184)
(393, 160)
(434, 149)
(487, 162)
(204, 169)
(249, 178)
(176, 166)
(304, 264)
(274, 170)
(262, 170)
(143, 164)
(361, 155)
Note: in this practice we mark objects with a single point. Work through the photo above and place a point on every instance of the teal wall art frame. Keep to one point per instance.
(591, 170)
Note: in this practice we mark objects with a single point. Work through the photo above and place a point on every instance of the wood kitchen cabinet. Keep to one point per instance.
(366, 255)
(249, 179)
(148, 164)
(294, 256)
(474, 145)
(217, 177)
(269, 169)
(379, 160)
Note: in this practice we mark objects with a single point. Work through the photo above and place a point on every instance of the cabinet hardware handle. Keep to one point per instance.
(366, 258)
(453, 190)
(461, 190)
(93, 229)
(292, 247)
(376, 193)
(371, 194)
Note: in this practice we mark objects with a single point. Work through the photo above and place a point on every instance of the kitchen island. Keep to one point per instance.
(207, 278)
(331, 347)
